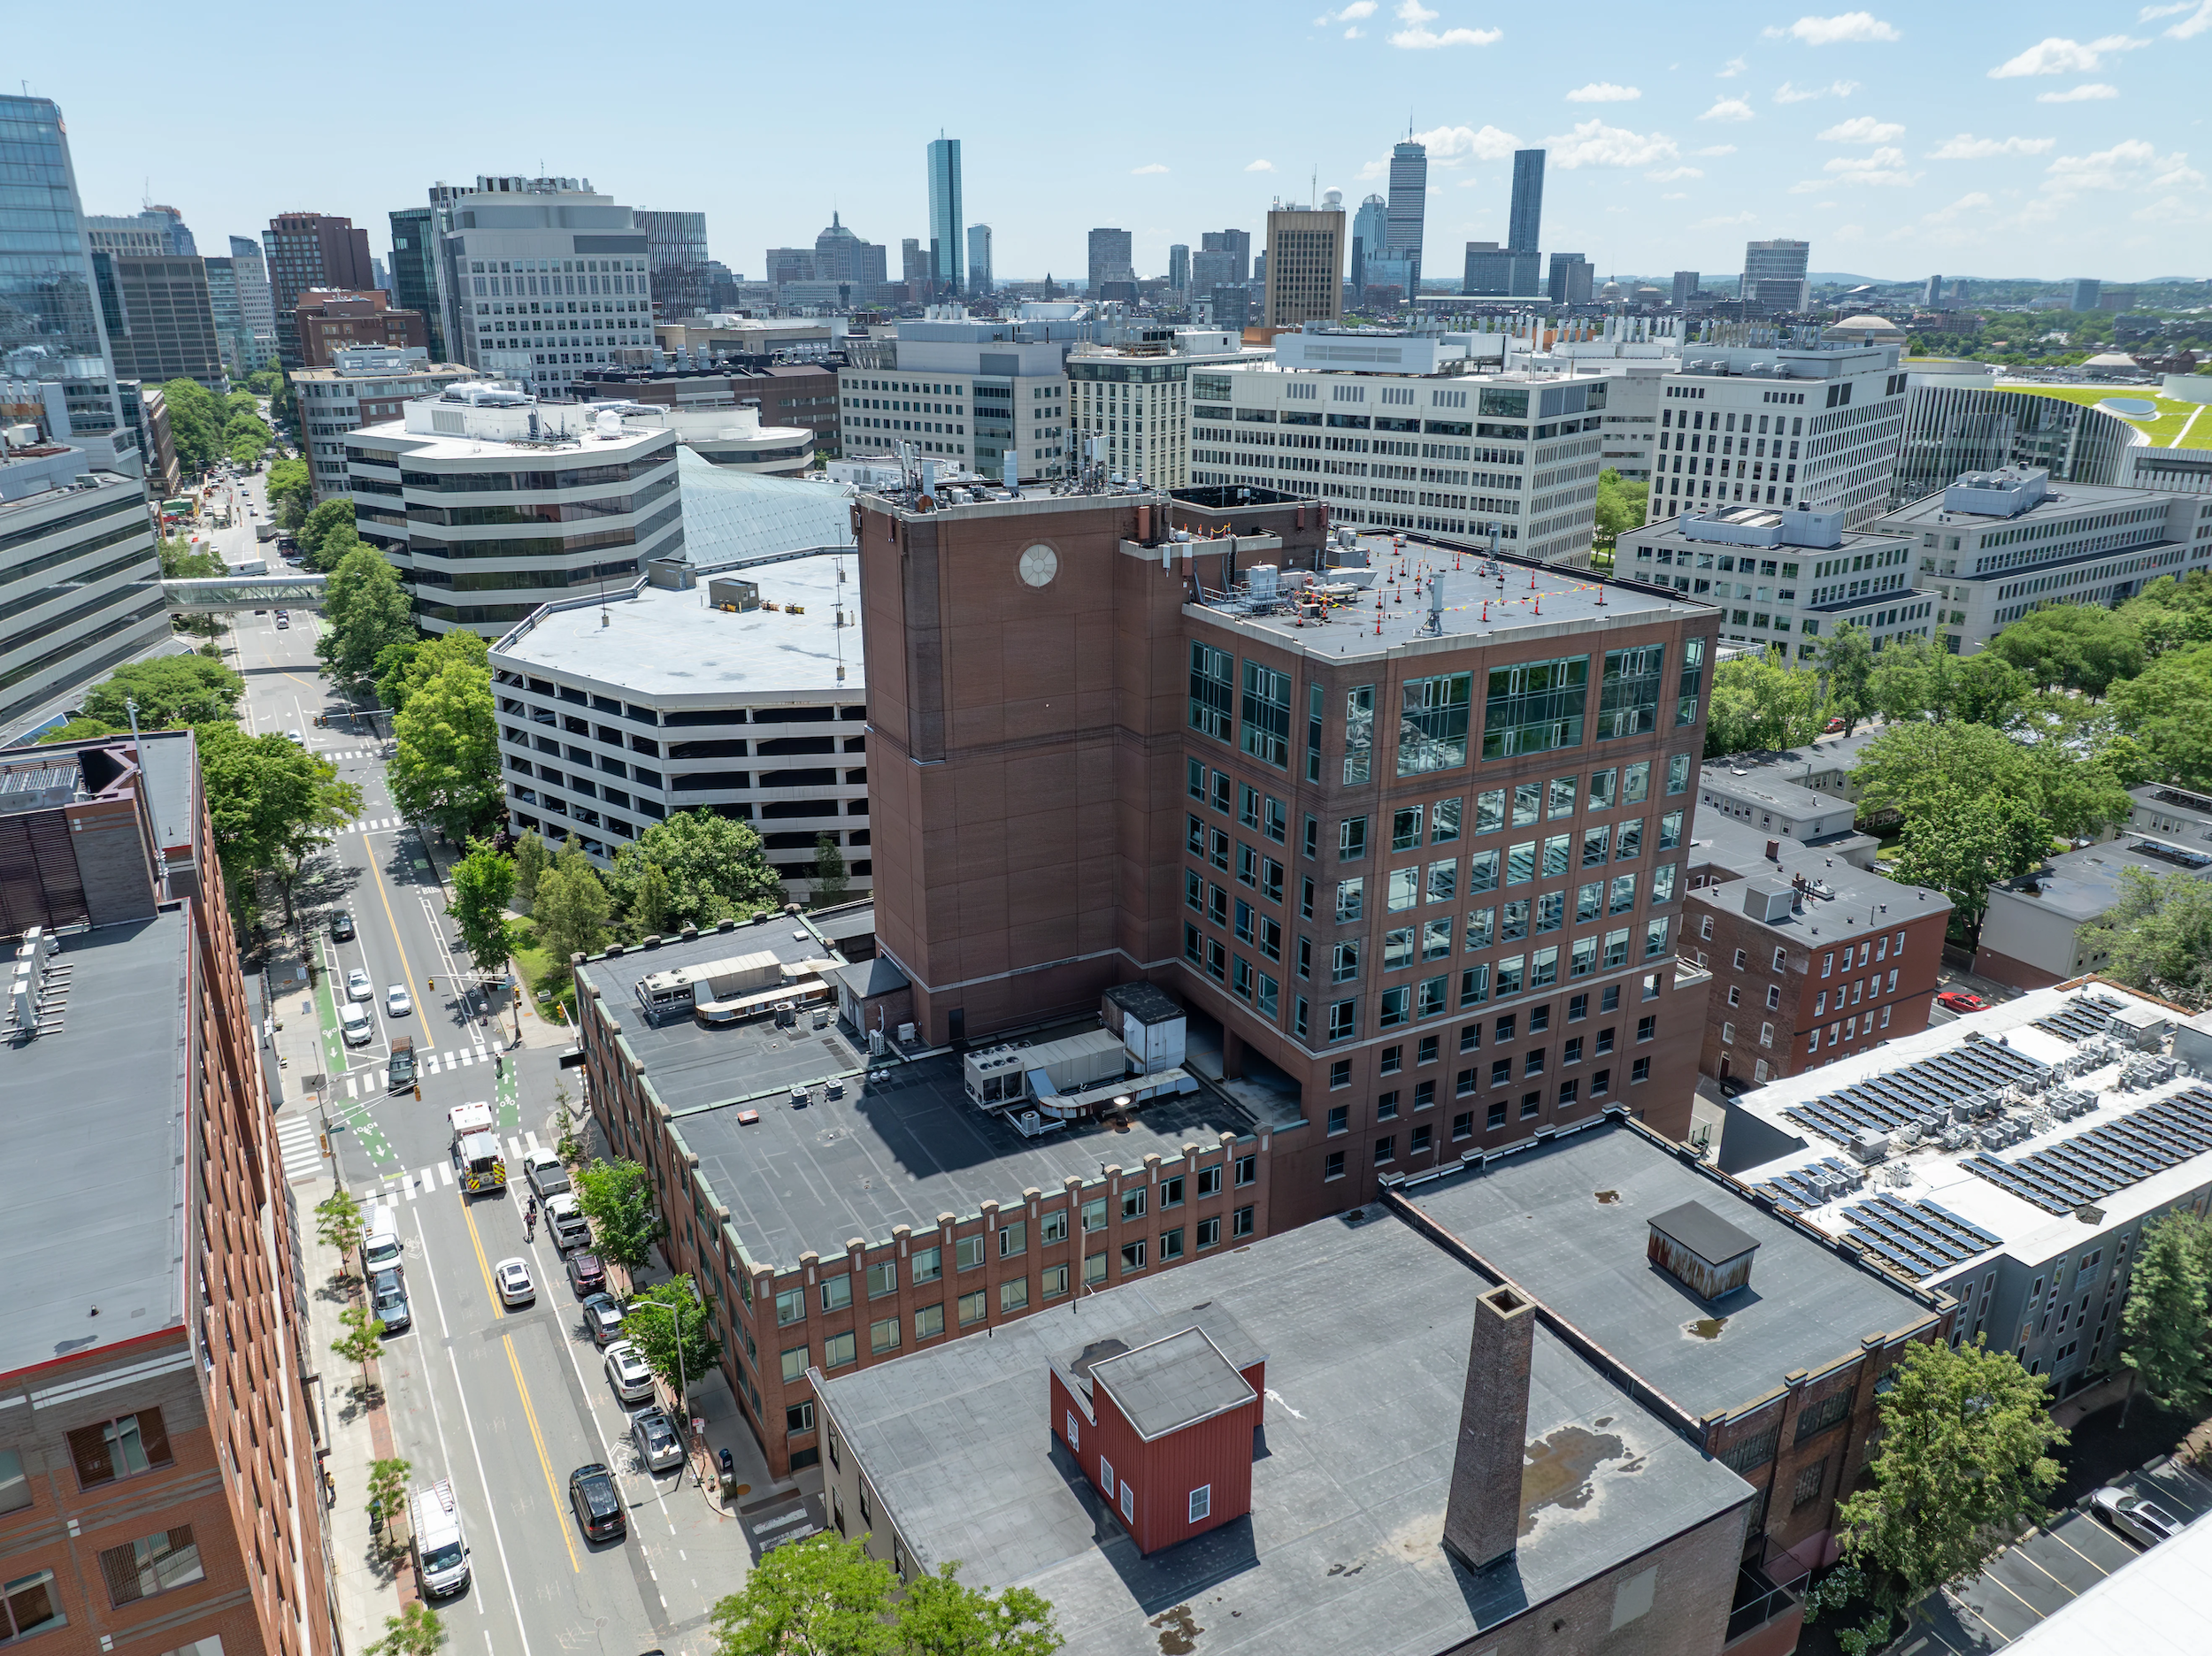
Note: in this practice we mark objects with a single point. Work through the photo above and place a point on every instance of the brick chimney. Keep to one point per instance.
(1482, 1519)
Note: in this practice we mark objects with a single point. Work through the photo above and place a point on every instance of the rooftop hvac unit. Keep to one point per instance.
(1870, 1148)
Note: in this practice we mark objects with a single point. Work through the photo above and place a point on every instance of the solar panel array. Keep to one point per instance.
(1919, 1092)
(1814, 1185)
(1919, 1237)
(2110, 1157)
(2082, 1018)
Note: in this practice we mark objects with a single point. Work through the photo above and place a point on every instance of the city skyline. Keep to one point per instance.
(2058, 132)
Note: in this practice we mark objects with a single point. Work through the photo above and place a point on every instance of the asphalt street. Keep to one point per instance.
(504, 1402)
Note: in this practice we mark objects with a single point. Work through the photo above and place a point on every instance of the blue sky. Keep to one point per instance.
(2035, 140)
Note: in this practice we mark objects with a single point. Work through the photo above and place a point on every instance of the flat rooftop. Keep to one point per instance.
(665, 645)
(2065, 499)
(902, 1146)
(492, 451)
(93, 1182)
(1366, 1328)
(1844, 903)
(2086, 881)
(1668, 531)
(1934, 1211)
(1569, 1218)
(1484, 602)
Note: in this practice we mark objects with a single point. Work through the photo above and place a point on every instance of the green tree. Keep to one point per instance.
(181, 560)
(829, 872)
(2169, 614)
(1911, 680)
(2083, 647)
(533, 857)
(338, 1224)
(938, 1616)
(1961, 844)
(290, 493)
(716, 869)
(618, 1198)
(274, 805)
(387, 1492)
(1913, 762)
(1621, 506)
(445, 751)
(1759, 703)
(1964, 1456)
(320, 524)
(402, 670)
(821, 1597)
(416, 1631)
(2168, 708)
(363, 1335)
(171, 691)
(1847, 666)
(649, 901)
(2167, 1341)
(284, 407)
(571, 910)
(1987, 689)
(483, 886)
(365, 611)
(195, 423)
(2157, 936)
(393, 663)
(655, 1332)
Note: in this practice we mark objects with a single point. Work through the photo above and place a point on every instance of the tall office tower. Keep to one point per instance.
(2087, 291)
(255, 307)
(308, 250)
(160, 319)
(148, 234)
(914, 269)
(948, 214)
(1571, 278)
(542, 279)
(1407, 209)
(415, 271)
(1774, 277)
(1110, 259)
(1489, 270)
(979, 260)
(1179, 266)
(841, 257)
(231, 337)
(1368, 231)
(675, 261)
(1958, 290)
(1524, 225)
(1305, 263)
(1237, 244)
(49, 314)
(1931, 295)
(1685, 284)
(790, 264)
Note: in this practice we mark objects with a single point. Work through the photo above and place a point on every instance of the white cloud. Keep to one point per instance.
(1356, 34)
(2150, 11)
(2089, 91)
(1788, 92)
(1965, 147)
(1729, 109)
(1882, 166)
(2130, 165)
(1806, 186)
(1152, 167)
(1605, 92)
(2056, 55)
(2199, 20)
(1451, 145)
(1420, 37)
(1261, 166)
(1731, 218)
(1735, 66)
(1965, 204)
(1351, 13)
(1374, 170)
(1673, 174)
(1851, 26)
(1593, 143)
(1863, 129)
(1714, 150)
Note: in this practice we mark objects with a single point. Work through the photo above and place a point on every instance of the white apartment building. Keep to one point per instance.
(1996, 545)
(1129, 401)
(743, 695)
(362, 387)
(1400, 432)
(1782, 576)
(971, 392)
(540, 278)
(489, 502)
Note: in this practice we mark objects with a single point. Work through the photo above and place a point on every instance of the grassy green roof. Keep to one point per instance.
(2176, 424)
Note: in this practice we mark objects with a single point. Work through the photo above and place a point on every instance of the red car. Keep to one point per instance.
(1833, 725)
(586, 1275)
(1959, 1000)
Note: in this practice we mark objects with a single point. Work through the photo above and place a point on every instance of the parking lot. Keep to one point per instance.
(2048, 1569)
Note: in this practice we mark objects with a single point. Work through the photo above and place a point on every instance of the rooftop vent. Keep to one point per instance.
(1701, 1250)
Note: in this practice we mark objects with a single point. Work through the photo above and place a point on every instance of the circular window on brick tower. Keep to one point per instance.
(1039, 564)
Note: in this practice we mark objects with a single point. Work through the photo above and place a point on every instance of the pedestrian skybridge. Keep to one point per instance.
(225, 594)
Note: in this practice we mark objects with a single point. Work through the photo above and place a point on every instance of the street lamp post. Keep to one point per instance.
(683, 1383)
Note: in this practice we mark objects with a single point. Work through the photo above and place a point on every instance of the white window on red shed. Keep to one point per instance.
(1128, 1500)
(1202, 1502)
(1075, 1438)
(1106, 1477)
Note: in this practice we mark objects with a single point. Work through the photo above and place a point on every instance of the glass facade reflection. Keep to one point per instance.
(49, 318)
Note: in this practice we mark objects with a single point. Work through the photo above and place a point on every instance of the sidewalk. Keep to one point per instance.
(538, 1030)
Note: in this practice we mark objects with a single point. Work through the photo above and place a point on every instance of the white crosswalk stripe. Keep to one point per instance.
(407, 1185)
(465, 1056)
(350, 1085)
(530, 1141)
(482, 1056)
(514, 1148)
(445, 1172)
(299, 1146)
(429, 1178)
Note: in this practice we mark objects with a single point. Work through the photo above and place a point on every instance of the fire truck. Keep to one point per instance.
(476, 1153)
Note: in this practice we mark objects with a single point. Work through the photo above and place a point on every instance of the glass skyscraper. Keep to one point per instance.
(50, 313)
(675, 261)
(1407, 209)
(1524, 228)
(946, 209)
(415, 271)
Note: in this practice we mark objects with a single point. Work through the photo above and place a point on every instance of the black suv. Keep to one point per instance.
(340, 926)
(591, 1491)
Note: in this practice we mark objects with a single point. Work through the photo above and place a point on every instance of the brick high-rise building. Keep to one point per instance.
(311, 250)
(158, 1486)
(1420, 848)
(327, 321)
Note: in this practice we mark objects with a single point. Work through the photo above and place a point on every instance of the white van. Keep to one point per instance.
(442, 1557)
(353, 1020)
(379, 1239)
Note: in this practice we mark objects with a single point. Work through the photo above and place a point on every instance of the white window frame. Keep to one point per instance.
(1201, 1503)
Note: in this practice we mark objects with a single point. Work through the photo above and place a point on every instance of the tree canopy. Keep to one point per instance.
(483, 886)
(825, 1597)
(1760, 703)
(290, 492)
(2157, 936)
(1846, 659)
(272, 802)
(171, 691)
(365, 611)
(195, 423)
(714, 868)
(571, 908)
(2167, 1340)
(445, 753)
(1621, 505)
(681, 1327)
(327, 533)
(2168, 708)
(2170, 614)
(2082, 647)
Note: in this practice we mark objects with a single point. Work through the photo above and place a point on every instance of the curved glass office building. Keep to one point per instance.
(1954, 428)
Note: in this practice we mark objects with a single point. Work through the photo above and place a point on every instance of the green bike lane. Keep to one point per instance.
(358, 1118)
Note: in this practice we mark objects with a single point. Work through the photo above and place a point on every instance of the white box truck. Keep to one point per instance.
(440, 1554)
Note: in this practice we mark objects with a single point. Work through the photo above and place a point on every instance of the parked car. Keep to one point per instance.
(513, 1277)
(658, 1448)
(602, 1318)
(355, 1024)
(566, 1221)
(547, 1175)
(587, 1274)
(358, 986)
(597, 1503)
(340, 926)
(398, 1001)
(627, 1374)
(2135, 1517)
(387, 1300)
(1959, 1000)
(1832, 726)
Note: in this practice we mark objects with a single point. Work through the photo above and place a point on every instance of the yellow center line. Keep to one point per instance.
(406, 971)
(531, 1415)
